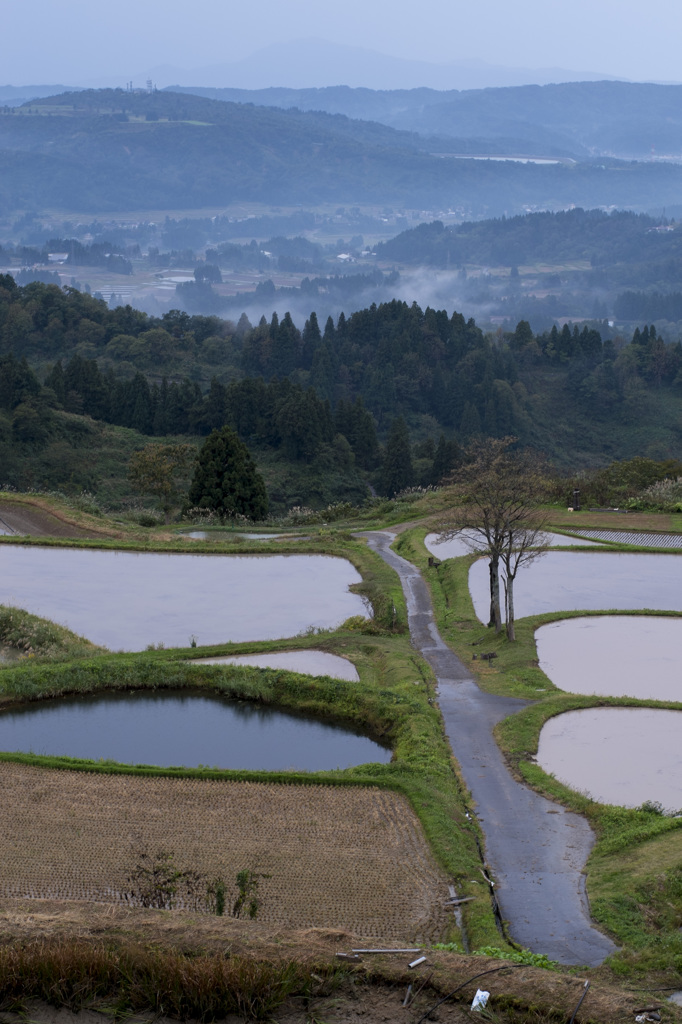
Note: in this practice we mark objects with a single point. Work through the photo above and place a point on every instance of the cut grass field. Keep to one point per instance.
(347, 857)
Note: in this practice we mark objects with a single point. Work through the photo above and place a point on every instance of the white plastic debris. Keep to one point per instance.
(480, 1000)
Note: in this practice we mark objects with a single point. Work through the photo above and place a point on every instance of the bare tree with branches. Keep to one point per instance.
(497, 494)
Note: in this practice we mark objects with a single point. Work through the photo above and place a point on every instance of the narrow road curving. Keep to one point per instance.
(536, 849)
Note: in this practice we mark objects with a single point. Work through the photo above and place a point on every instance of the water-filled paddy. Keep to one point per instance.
(126, 601)
(622, 756)
(177, 728)
(645, 540)
(614, 656)
(467, 541)
(231, 535)
(311, 663)
(571, 580)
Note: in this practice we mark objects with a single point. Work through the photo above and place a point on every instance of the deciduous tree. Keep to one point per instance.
(162, 470)
(497, 494)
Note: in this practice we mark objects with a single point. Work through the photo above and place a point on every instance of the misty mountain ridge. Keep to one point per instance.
(317, 63)
(305, 63)
(579, 119)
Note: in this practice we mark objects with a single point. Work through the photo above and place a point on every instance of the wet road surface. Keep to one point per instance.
(536, 849)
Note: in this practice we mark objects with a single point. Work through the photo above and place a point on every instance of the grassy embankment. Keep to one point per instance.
(634, 874)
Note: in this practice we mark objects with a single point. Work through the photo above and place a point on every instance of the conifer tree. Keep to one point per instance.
(397, 472)
(226, 479)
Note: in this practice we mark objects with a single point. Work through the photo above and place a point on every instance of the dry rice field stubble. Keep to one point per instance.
(334, 856)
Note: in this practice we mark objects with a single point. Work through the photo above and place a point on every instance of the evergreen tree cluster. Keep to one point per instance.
(314, 393)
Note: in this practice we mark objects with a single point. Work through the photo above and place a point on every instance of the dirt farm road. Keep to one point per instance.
(26, 519)
(536, 849)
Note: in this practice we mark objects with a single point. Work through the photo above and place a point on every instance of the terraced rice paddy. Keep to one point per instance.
(312, 663)
(127, 600)
(589, 580)
(614, 655)
(647, 540)
(341, 857)
(622, 756)
(467, 541)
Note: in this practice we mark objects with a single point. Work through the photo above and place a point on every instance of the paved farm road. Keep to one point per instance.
(535, 848)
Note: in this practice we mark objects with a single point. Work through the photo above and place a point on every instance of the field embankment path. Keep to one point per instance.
(536, 849)
(32, 520)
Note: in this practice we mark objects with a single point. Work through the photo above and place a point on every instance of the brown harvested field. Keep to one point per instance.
(342, 857)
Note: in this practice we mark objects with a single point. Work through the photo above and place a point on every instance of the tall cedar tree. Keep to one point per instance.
(226, 478)
(397, 472)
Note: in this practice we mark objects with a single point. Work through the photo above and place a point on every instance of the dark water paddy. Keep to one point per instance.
(127, 600)
(572, 580)
(614, 656)
(622, 756)
(177, 728)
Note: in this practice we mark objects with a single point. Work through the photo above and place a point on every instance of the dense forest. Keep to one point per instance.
(325, 398)
(605, 239)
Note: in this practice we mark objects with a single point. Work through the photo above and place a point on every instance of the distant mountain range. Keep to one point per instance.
(306, 63)
(15, 95)
(578, 119)
(316, 63)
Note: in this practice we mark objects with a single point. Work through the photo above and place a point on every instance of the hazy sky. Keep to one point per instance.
(72, 41)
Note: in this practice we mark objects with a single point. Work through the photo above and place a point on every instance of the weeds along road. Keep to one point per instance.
(536, 849)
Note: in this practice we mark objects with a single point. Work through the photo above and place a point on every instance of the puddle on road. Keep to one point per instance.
(614, 656)
(311, 663)
(622, 756)
(189, 729)
(126, 601)
(572, 580)
(467, 541)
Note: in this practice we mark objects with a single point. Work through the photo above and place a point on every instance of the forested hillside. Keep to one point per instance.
(605, 239)
(102, 150)
(319, 401)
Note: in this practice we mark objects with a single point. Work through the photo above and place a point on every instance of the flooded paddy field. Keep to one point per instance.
(351, 858)
(571, 581)
(177, 728)
(231, 535)
(621, 756)
(467, 542)
(173, 728)
(642, 539)
(128, 600)
(614, 656)
(311, 663)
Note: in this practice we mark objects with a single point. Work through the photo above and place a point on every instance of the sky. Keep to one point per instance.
(83, 41)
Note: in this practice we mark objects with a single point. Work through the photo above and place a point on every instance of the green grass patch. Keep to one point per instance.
(34, 637)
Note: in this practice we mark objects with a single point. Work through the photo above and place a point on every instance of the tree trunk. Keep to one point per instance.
(495, 614)
(509, 600)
